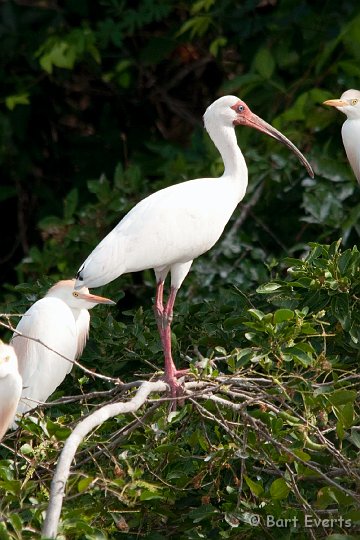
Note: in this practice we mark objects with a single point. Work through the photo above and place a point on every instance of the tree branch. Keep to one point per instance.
(82, 429)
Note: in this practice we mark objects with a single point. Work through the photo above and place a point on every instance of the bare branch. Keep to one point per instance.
(82, 429)
(237, 393)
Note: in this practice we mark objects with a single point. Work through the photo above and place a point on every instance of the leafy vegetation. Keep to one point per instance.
(101, 104)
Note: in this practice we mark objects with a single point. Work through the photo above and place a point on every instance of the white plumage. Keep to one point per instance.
(156, 232)
(61, 322)
(349, 104)
(171, 227)
(10, 386)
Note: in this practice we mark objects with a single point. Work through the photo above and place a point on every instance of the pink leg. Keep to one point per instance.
(164, 317)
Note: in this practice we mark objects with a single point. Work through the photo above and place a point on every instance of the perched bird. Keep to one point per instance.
(10, 386)
(171, 227)
(53, 333)
(349, 104)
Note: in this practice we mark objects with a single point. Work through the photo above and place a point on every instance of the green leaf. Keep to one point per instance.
(300, 353)
(268, 288)
(257, 314)
(176, 416)
(264, 63)
(345, 414)
(340, 431)
(340, 397)
(255, 488)
(11, 486)
(279, 489)
(84, 483)
(341, 309)
(301, 454)
(64, 51)
(17, 523)
(217, 45)
(355, 438)
(196, 26)
(201, 5)
(327, 495)
(27, 449)
(60, 55)
(57, 430)
(282, 315)
(203, 512)
(17, 99)
(70, 203)
(147, 495)
(348, 260)
(232, 322)
(51, 222)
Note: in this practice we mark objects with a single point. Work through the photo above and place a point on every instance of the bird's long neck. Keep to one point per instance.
(235, 167)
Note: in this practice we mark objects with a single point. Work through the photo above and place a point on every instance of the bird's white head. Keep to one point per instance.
(8, 360)
(76, 299)
(349, 104)
(231, 111)
(221, 112)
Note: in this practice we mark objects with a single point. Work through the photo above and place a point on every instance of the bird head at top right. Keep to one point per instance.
(349, 103)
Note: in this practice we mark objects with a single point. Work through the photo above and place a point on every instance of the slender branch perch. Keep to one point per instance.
(82, 429)
(241, 392)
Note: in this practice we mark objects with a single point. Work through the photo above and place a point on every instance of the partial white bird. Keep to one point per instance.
(53, 333)
(171, 227)
(349, 104)
(10, 386)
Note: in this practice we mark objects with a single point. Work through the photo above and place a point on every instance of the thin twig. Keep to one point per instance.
(80, 432)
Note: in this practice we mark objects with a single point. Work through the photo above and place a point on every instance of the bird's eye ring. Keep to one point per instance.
(76, 294)
(7, 358)
(240, 108)
(354, 101)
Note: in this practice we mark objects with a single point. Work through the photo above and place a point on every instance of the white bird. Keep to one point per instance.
(53, 332)
(171, 227)
(10, 386)
(349, 104)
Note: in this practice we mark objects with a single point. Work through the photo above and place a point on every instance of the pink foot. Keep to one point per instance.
(176, 389)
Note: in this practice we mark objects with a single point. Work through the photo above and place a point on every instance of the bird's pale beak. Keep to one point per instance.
(258, 123)
(335, 102)
(94, 299)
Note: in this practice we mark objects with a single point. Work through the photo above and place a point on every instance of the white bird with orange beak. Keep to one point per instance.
(48, 338)
(349, 104)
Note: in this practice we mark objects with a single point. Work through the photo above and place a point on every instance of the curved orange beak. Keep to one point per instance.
(254, 121)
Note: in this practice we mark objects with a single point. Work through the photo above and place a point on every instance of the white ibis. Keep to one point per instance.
(10, 386)
(61, 322)
(349, 104)
(171, 227)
